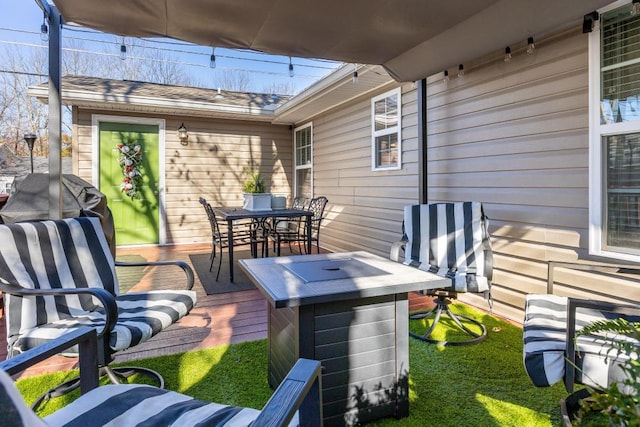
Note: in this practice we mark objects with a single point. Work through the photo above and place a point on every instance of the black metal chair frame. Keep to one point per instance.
(287, 230)
(300, 390)
(245, 234)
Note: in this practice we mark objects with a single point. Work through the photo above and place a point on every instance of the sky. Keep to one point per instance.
(20, 22)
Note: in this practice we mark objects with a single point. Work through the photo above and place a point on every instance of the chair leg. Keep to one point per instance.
(115, 375)
(219, 265)
(442, 307)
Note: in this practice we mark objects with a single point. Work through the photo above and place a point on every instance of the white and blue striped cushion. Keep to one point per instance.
(449, 239)
(14, 411)
(123, 405)
(545, 335)
(73, 253)
(132, 405)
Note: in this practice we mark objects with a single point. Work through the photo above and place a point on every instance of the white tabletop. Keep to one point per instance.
(310, 279)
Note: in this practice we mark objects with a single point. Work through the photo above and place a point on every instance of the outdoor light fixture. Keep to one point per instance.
(446, 77)
(290, 68)
(354, 76)
(460, 70)
(44, 30)
(635, 7)
(531, 46)
(123, 50)
(219, 95)
(590, 22)
(183, 135)
(507, 54)
(30, 138)
(212, 60)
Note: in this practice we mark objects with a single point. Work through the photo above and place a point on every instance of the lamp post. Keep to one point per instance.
(30, 138)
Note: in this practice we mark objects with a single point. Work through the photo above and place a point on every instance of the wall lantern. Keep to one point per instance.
(183, 135)
(30, 138)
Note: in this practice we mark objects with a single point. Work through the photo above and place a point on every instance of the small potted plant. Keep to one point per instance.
(255, 198)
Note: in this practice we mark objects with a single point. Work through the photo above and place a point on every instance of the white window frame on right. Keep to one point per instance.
(386, 127)
(614, 134)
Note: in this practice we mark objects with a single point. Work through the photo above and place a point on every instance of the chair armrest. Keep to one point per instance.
(396, 248)
(572, 305)
(86, 339)
(188, 271)
(300, 389)
(107, 300)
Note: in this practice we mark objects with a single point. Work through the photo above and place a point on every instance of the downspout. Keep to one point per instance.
(55, 109)
(422, 142)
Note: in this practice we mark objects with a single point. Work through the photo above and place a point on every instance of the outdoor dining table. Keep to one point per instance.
(231, 214)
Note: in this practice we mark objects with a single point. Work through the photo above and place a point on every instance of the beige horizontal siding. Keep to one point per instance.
(211, 166)
(365, 206)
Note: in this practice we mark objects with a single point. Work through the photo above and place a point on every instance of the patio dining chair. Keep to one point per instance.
(298, 399)
(59, 276)
(287, 230)
(243, 234)
(451, 240)
(555, 350)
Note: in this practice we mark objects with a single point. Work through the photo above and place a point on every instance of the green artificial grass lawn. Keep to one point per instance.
(478, 385)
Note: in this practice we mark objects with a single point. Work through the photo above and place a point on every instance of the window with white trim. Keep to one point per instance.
(614, 164)
(303, 147)
(386, 123)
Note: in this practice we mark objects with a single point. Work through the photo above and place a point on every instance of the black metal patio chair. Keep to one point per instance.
(243, 234)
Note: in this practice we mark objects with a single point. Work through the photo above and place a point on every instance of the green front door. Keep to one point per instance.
(137, 219)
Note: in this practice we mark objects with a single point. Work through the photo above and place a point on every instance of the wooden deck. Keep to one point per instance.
(216, 320)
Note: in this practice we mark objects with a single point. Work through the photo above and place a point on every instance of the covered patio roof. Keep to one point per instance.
(412, 39)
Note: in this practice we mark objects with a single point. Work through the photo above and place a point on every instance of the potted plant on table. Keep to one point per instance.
(255, 197)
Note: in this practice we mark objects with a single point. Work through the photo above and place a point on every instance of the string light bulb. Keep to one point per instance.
(44, 30)
(446, 77)
(354, 77)
(123, 50)
(460, 70)
(507, 54)
(291, 74)
(212, 59)
(531, 46)
(635, 7)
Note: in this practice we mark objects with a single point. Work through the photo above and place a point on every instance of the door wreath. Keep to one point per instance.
(130, 158)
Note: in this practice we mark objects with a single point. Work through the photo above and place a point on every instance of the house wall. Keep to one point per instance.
(512, 135)
(211, 166)
(365, 207)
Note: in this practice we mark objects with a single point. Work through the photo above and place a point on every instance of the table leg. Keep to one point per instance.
(230, 240)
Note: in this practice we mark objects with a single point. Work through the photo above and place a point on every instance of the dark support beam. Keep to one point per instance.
(422, 142)
(55, 114)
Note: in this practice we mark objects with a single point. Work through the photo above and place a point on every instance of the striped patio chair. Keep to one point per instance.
(297, 401)
(551, 352)
(450, 240)
(58, 276)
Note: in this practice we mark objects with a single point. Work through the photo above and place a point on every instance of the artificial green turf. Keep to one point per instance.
(479, 385)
